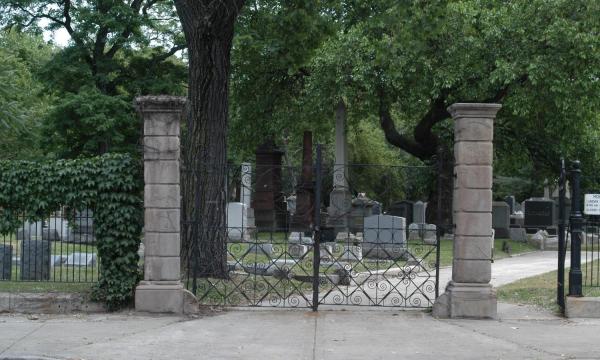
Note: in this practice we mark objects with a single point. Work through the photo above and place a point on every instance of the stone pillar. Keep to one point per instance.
(470, 294)
(162, 290)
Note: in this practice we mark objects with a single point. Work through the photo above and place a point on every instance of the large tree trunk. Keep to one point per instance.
(208, 28)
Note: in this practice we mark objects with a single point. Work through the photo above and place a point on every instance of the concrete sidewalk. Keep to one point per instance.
(521, 333)
(341, 333)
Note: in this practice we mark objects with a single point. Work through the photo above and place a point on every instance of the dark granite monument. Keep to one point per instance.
(269, 206)
(402, 209)
(35, 260)
(539, 213)
(304, 212)
(5, 262)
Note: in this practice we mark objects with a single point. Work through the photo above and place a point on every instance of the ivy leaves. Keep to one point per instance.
(109, 184)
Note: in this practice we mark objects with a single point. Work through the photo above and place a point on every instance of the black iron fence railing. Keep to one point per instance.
(591, 255)
(321, 235)
(59, 248)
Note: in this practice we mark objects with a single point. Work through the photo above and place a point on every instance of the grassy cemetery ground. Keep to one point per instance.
(247, 285)
(540, 290)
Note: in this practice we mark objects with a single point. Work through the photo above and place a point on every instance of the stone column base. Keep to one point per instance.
(164, 297)
(466, 300)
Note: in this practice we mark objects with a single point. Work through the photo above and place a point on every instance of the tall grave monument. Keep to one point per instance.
(340, 199)
(270, 211)
(304, 209)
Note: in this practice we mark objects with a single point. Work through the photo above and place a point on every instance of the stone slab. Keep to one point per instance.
(582, 307)
(156, 298)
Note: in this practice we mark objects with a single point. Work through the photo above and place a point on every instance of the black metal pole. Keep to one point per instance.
(439, 221)
(317, 231)
(562, 220)
(575, 277)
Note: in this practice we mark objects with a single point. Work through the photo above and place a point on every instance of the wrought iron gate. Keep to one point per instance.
(345, 239)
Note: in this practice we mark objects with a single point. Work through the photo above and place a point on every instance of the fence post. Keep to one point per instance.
(470, 293)
(575, 276)
(562, 190)
(317, 229)
(162, 290)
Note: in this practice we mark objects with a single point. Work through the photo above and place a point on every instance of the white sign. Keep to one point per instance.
(592, 204)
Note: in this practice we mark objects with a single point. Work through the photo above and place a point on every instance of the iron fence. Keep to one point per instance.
(59, 248)
(591, 254)
(329, 235)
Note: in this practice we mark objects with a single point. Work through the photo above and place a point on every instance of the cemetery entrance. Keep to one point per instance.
(324, 234)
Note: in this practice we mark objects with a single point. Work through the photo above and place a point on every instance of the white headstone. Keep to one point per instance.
(61, 226)
(384, 237)
(237, 221)
(419, 209)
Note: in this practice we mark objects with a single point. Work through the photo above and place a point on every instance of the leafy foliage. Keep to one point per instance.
(117, 50)
(22, 103)
(109, 184)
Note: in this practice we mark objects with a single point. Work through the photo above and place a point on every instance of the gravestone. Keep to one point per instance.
(238, 227)
(340, 199)
(297, 250)
(517, 219)
(512, 202)
(83, 229)
(517, 234)
(58, 260)
(384, 237)
(501, 218)
(30, 230)
(402, 209)
(298, 237)
(81, 259)
(351, 253)
(35, 260)
(5, 262)
(426, 233)
(419, 209)
(362, 207)
(270, 211)
(60, 227)
(539, 213)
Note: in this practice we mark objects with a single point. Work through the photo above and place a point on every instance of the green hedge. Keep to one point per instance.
(110, 184)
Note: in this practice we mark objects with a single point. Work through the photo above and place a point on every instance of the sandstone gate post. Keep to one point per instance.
(469, 294)
(161, 290)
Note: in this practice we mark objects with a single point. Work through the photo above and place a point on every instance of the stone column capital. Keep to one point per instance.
(473, 110)
(159, 103)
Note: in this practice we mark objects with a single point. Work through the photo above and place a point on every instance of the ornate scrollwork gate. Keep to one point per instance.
(343, 234)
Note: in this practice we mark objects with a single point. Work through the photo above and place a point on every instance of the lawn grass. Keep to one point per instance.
(541, 290)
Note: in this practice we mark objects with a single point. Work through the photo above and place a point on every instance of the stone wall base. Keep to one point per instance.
(164, 297)
(466, 300)
(582, 307)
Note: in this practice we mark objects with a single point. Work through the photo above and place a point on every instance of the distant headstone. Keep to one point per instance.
(384, 237)
(238, 227)
(512, 202)
(351, 253)
(539, 213)
(501, 218)
(517, 219)
(419, 210)
(297, 250)
(81, 259)
(426, 233)
(84, 221)
(5, 262)
(59, 227)
(298, 237)
(35, 260)
(29, 230)
(58, 260)
(517, 234)
(362, 207)
(402, 209)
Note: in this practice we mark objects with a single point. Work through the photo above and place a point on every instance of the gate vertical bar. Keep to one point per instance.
(317, 230)
(440, 167)
(560, 293)
(575, 277)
